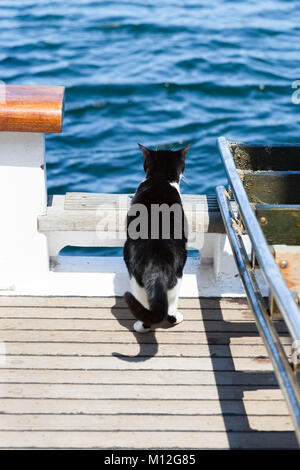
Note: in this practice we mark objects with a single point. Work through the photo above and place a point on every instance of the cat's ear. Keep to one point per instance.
(185, 150)
(146, 152)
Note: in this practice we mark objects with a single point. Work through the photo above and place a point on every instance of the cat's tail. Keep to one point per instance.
(158, 304)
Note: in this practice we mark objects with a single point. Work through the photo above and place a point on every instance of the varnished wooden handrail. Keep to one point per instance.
(31, 108)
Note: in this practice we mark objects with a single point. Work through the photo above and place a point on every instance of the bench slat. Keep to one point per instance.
(91, 201)
(84, 211)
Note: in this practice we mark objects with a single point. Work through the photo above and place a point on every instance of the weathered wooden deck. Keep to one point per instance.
(73, 374)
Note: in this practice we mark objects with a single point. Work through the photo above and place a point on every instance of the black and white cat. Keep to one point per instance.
(155, 263)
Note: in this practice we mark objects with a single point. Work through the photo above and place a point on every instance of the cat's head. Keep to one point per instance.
(166, 164)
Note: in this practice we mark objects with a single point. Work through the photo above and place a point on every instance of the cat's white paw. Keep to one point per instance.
(179, 318)
(139, 327)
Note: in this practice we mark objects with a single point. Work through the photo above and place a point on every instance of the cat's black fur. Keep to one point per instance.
(156, 264)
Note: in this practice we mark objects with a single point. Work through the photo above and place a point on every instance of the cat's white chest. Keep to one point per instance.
(175, 185)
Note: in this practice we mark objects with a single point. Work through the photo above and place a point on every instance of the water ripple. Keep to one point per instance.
(159, 73)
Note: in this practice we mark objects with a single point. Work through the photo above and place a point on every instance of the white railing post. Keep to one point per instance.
(23, 196)
(26, 114)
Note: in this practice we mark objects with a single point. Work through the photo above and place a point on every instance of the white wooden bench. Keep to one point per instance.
(98, 220)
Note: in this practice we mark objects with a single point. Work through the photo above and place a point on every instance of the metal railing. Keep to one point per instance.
(284, 370)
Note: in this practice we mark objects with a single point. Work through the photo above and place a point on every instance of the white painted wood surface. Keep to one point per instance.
(108, 276)
(22, 198)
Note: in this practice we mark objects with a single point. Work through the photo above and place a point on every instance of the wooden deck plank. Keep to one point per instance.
(73, 374)
(103, 302)
(189, 326)
(136, 391)
(121, 363)
(154, 439)
(19, 406)
(106, 313)
(88, 377)
(123, 336)
(141, 422)
(133, 349)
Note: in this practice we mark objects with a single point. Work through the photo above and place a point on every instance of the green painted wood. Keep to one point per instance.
(272, 187)
(264, 157)
(280, 223)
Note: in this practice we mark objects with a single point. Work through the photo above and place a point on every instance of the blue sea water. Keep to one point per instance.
(162, 73)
